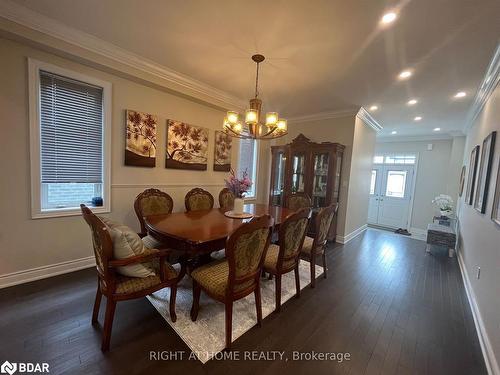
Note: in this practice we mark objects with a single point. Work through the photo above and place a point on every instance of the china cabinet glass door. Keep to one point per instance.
(298, 170)
(278, 178)
(320, 179)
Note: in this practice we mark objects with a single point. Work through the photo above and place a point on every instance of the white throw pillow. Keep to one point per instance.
(126, 244)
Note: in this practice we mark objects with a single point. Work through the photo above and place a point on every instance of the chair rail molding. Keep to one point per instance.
(118, 56)
(488, 85)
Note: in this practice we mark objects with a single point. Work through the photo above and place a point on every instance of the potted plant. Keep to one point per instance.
(445, 205)
(239, 187)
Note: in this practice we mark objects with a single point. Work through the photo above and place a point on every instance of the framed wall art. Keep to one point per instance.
(483, 177)
(471, 178)
(187, 146)
(461, 182)
(140, 144)
(495, 212)
(222, 151)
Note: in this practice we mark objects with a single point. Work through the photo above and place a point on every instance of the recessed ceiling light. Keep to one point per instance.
(389, 17)
(405, 74)
(418, 118)
(373, 108)
(394, 132)
(437, 129)
(460, 94)
(412, 102)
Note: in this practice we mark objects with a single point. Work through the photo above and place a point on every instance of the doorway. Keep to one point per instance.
(391, 190)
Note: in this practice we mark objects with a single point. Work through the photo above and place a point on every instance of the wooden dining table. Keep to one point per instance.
(201, 232)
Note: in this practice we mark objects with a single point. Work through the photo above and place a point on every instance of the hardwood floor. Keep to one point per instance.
(394, 308)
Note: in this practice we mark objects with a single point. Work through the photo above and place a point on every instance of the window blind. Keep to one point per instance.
(247, 161)
(71, 130)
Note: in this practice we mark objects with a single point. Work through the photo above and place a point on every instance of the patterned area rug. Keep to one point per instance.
(206, 336)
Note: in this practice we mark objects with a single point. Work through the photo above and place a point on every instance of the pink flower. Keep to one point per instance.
(236, 186)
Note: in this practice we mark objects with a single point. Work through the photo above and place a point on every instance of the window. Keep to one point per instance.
(70, 121)
(373, 181)
(378, 159)
(400, 159)
(248, 155)
(396, 184)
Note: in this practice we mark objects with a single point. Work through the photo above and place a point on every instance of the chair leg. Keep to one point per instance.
(324, 264)
(229, 323)
(258, 305)
(278, 292)
(173, 294)
(97, 303)
(270, 276)
(108, 324)
(297, 281)
(196, 301)
(312, 265)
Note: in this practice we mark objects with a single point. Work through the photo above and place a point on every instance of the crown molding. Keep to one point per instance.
(323, 116)
(173, 80)
(414, 138)
(368, 119)
(488, 85)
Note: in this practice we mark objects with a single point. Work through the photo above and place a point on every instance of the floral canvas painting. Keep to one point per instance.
(187, 146)
(222, 151)
(140, 148)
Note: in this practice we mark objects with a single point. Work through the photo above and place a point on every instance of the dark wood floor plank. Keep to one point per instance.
(395, 308)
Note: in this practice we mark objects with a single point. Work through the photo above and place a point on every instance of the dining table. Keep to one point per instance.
(198, 233)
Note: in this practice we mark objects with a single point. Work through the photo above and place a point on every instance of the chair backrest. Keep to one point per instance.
(226, 199)
(152, 202)
(323, 223)
(292, 233)
(297, 201)
(101, 241)
(245, 251)
(198, 199)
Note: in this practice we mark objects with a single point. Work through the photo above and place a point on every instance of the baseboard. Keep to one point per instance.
(484, 341)
(418, 234)
(350, 236)
(43, 272)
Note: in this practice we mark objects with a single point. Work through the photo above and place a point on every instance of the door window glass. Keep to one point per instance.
(372, 182)
(396, 183)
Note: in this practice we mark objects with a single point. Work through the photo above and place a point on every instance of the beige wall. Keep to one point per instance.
(479, 235)
(434, 174)
(363, 149)
(27, 243)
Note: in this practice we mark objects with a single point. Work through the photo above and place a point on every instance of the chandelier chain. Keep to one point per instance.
(257, 82)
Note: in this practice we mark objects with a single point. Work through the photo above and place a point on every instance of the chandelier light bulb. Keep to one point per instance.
(271, 119)
(281, 124)
(251, 116)
(232, 117)
(237, 127)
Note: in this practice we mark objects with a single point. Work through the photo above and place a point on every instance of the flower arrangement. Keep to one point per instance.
(444, 203)
(238, 186)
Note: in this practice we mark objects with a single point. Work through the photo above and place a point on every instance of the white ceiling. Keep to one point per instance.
(322, 55)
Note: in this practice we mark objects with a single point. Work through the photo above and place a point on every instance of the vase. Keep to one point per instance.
(445, 213)
(238, 205)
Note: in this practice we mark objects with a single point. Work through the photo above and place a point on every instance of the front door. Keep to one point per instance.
(390, 203)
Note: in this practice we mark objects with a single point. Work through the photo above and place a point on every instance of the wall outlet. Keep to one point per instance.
(478, 275)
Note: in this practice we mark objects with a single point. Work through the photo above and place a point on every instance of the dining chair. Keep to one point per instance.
(297, 201)
(198, 199)
(151, 202)
(238, 275)
(226, 199)
(314, 246)
(285, 257)
(116, 287)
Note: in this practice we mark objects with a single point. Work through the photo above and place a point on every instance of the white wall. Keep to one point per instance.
(27, 243)
(437, 171)
(480, 236)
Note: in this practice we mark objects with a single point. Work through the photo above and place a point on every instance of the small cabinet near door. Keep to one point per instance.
(307, 167)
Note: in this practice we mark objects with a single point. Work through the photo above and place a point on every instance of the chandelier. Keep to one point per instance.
(253, 127)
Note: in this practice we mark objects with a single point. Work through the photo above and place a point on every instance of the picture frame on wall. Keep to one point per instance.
(222, 151)
(187, 146)
(140, 144)
(471, 178)
(483, 177)
(461, 182)
(495, 212)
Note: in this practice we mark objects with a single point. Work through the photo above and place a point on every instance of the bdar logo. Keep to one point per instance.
(8, 368)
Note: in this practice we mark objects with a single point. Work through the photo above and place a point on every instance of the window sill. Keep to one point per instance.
(67, 212)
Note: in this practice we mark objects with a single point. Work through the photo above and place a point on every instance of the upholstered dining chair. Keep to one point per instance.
(117, 287)
(226, 199)
(238, 275)
(198, 199)
(283, 258)
(151, 202)
(316, 246)
(297, 201)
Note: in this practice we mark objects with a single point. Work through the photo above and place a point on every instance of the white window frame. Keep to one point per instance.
(255, 165)
(34, 67)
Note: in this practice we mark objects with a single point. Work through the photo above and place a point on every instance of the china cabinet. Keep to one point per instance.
(309, 168)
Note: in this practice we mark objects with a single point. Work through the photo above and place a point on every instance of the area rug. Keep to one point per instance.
(206, 336)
